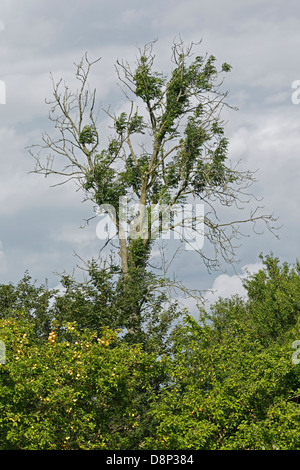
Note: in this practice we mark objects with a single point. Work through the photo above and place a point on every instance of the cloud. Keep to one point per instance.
(3, 261)
(226, 286)
(74, 235)
(260, 40)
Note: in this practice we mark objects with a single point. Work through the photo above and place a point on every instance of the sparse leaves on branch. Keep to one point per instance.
(167, 148)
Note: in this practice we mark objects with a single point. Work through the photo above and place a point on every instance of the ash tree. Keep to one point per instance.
(166, 149)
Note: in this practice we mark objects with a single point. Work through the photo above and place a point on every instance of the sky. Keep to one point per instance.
(40, 226)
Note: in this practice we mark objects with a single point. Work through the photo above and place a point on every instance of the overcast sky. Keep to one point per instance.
(40, 225)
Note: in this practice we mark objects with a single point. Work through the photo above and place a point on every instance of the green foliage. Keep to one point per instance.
(232, 395)
(148, 84)
(87, 135)
(133, 125)
(106, 364)
(177, 111)
(274, 298)
(232, 383)
(33, 301)
(81, 393)
(224, 382)
(226, 67)
(103, 300)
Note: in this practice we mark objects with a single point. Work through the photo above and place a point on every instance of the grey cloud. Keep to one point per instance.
(260, 40)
